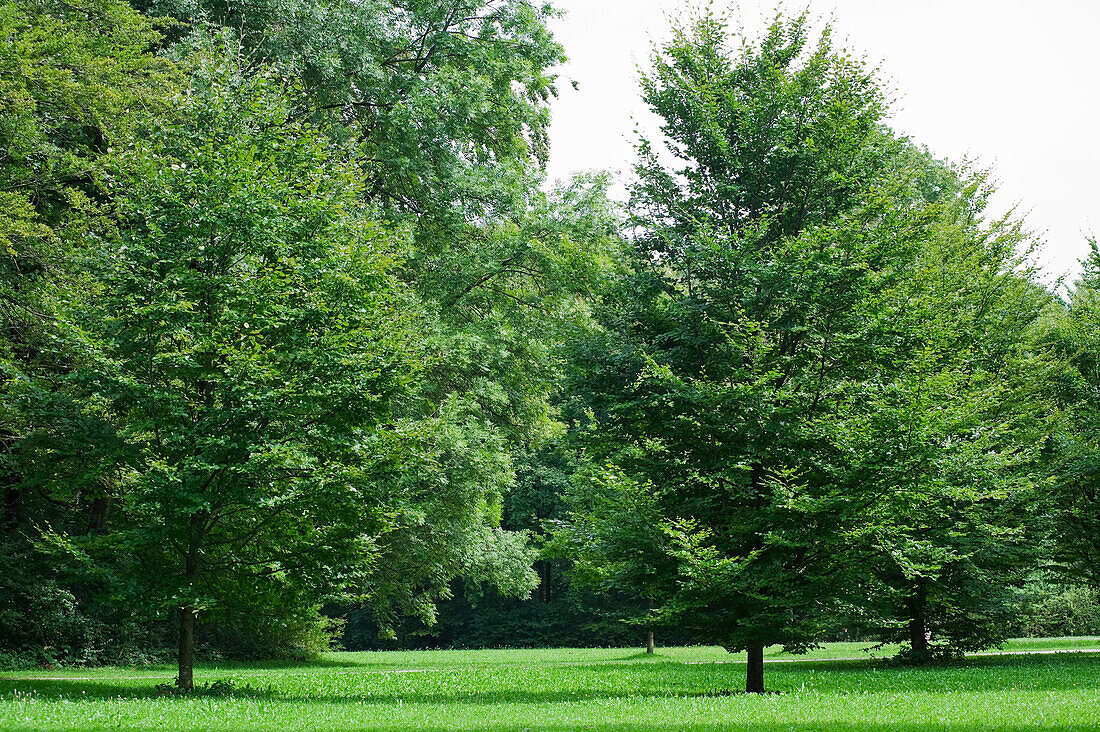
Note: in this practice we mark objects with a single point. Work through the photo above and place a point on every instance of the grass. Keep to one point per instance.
(567, 689)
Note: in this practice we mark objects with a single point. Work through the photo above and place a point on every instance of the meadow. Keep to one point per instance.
(693, 688)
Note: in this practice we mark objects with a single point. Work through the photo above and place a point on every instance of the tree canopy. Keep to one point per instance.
(294, 331)
(784, 295)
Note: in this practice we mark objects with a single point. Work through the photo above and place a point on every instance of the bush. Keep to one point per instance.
(51, 618)
(1052, 610)
(252, 637)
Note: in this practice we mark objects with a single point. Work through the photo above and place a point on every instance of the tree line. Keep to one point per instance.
(296, 334)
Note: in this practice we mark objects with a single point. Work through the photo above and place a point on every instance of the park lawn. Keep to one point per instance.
(566, 689)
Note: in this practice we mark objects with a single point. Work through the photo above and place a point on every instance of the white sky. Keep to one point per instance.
(1012, 84)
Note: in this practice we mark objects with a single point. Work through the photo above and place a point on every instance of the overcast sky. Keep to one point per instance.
(1013, 84)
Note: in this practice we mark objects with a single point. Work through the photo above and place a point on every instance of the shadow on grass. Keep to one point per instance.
(772, 727)
(74, 689)
(639, 656)
(320, 663)
(657, 680)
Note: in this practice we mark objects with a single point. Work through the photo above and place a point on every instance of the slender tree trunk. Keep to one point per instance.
(13, 507)
(754, 672)
(544, 588)
(13, 494)
(649, 644)
(186, 679)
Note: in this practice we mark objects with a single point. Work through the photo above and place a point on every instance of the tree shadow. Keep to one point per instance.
(284, 665)
(666, 679)
(641, 656)
(84, 690)
(769, 727)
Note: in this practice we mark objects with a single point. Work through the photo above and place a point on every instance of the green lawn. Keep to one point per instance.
(600, 689)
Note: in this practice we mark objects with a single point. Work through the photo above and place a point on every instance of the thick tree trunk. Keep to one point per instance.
(98, 513)
(918, 636)
(754, 671)
(918, 629)
(186, 679)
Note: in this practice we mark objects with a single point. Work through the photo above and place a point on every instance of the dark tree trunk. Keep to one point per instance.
(918, 636)
(97, 521)
(756, 481)
(13, 507)
(186, 679)
(754, 671)
(918, 628)
(649, 644)
(544, 581)
(13, 494)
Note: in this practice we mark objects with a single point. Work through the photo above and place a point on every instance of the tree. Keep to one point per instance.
(615, 536)
(754, 300)
(76, 78)
(942, 448)
(1075, 463)
(448, 99)
(69, 76)
(248, 341)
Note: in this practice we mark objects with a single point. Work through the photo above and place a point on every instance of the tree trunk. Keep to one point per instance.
(918, 629)
(544, 581)
(649, 644)
(98, 513)
(13, 494)
(13, 507)
(918, 636)
(754, 672)
(186, 679)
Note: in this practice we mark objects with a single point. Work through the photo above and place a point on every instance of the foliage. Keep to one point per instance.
(1048, 609)
(73, 77)
(560, 613)
(376, 139)
(447, 101)
(248, 342)
(75, 80)
(752, 304)
(1075, 464)
(819, 400)
(943, 447)
(290, 319)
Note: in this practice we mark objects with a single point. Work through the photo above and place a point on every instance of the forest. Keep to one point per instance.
(299, 347)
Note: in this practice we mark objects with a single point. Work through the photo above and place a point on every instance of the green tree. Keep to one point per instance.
(942, 447)
(248, 340)
(759, 261)
(75, 80)
(448, 99)
(72, 77)
(615, 535)
(1075, 505)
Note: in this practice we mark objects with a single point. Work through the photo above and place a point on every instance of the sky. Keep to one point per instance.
(1013, 85)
